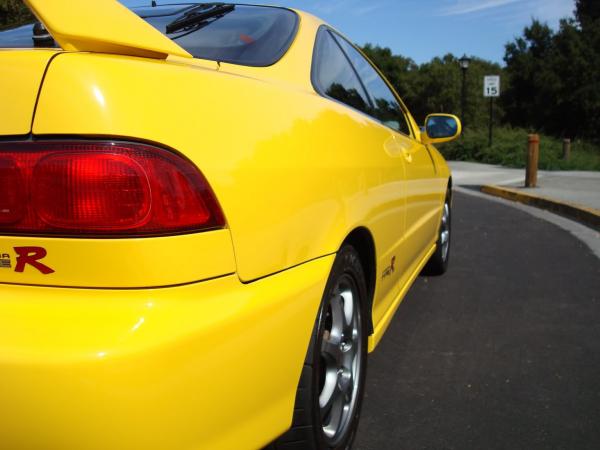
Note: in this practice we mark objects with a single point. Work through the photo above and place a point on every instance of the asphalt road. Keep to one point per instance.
(502, 352)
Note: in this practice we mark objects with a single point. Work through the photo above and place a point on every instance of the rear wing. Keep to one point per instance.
(102, 26)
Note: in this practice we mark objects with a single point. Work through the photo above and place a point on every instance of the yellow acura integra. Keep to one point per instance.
(209, 214)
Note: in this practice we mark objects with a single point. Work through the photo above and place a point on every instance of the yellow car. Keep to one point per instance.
(209, 214)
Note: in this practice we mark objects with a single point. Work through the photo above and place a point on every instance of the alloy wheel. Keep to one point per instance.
(445, 231)
(341, 360)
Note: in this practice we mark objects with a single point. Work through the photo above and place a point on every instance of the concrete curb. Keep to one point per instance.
(587, 216)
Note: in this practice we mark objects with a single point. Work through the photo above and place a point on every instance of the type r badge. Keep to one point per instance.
(26, 256)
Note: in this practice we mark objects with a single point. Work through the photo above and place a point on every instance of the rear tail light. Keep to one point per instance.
(101, 188)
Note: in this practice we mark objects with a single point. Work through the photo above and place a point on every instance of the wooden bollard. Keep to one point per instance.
(566, 149)
(533, 156)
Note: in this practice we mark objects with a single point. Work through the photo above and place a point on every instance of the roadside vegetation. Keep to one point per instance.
(508, 149)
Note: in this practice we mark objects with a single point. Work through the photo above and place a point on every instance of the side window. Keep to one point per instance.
(334, 76)
(386, 107)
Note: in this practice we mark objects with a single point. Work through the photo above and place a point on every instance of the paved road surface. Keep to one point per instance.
(503, 352)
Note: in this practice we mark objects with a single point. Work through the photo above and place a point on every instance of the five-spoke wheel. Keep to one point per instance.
(438, 263)
(333, 378)
(341, 354)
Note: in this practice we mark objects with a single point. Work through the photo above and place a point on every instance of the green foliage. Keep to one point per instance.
(437, 88)
(587, 12)
(13, 13)
(509, 147)
(553, 76)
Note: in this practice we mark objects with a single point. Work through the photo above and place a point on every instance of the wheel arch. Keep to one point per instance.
(362, 240)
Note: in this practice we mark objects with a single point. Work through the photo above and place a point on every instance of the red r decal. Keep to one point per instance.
(31, 256)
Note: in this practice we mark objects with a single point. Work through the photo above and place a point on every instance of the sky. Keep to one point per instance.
(423, 29)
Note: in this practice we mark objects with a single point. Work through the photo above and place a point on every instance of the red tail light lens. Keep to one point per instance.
(12, 196)
(94, 190)
(101, 188)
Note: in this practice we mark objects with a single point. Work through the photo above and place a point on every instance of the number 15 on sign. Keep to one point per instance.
(491, 86)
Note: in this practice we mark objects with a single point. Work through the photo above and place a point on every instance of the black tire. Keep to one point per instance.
(438, 263)
(313, 427)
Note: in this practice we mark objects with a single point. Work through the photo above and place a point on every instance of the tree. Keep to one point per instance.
(587, 12)
(437, 87)
(525, 100)
(553, 79)
(577, 96)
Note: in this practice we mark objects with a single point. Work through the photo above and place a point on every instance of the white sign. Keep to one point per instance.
(491, 86)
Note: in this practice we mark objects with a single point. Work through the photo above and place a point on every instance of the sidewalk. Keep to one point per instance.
(570, 193)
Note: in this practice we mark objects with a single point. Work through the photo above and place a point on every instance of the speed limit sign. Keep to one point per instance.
(491, 86)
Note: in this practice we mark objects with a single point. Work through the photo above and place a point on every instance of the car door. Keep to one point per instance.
(336, 78)
(422, 200)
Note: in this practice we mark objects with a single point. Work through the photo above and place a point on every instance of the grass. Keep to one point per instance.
(509, 148)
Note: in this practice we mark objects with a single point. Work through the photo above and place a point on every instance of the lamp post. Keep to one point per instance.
(464, 65)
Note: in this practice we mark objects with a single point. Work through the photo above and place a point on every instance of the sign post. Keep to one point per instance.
(491, 89)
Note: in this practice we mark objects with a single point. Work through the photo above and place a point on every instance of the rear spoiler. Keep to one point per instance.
(103, 26)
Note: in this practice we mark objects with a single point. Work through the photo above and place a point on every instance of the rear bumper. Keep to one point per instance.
(207, 365)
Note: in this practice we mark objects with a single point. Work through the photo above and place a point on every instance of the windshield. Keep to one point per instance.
(246, 35)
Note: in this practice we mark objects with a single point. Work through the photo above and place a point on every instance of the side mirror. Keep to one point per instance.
(441, 128)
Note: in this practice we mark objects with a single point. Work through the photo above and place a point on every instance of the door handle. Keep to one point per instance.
(407, 155)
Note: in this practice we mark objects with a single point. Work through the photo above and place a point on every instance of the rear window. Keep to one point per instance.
(241, 34)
